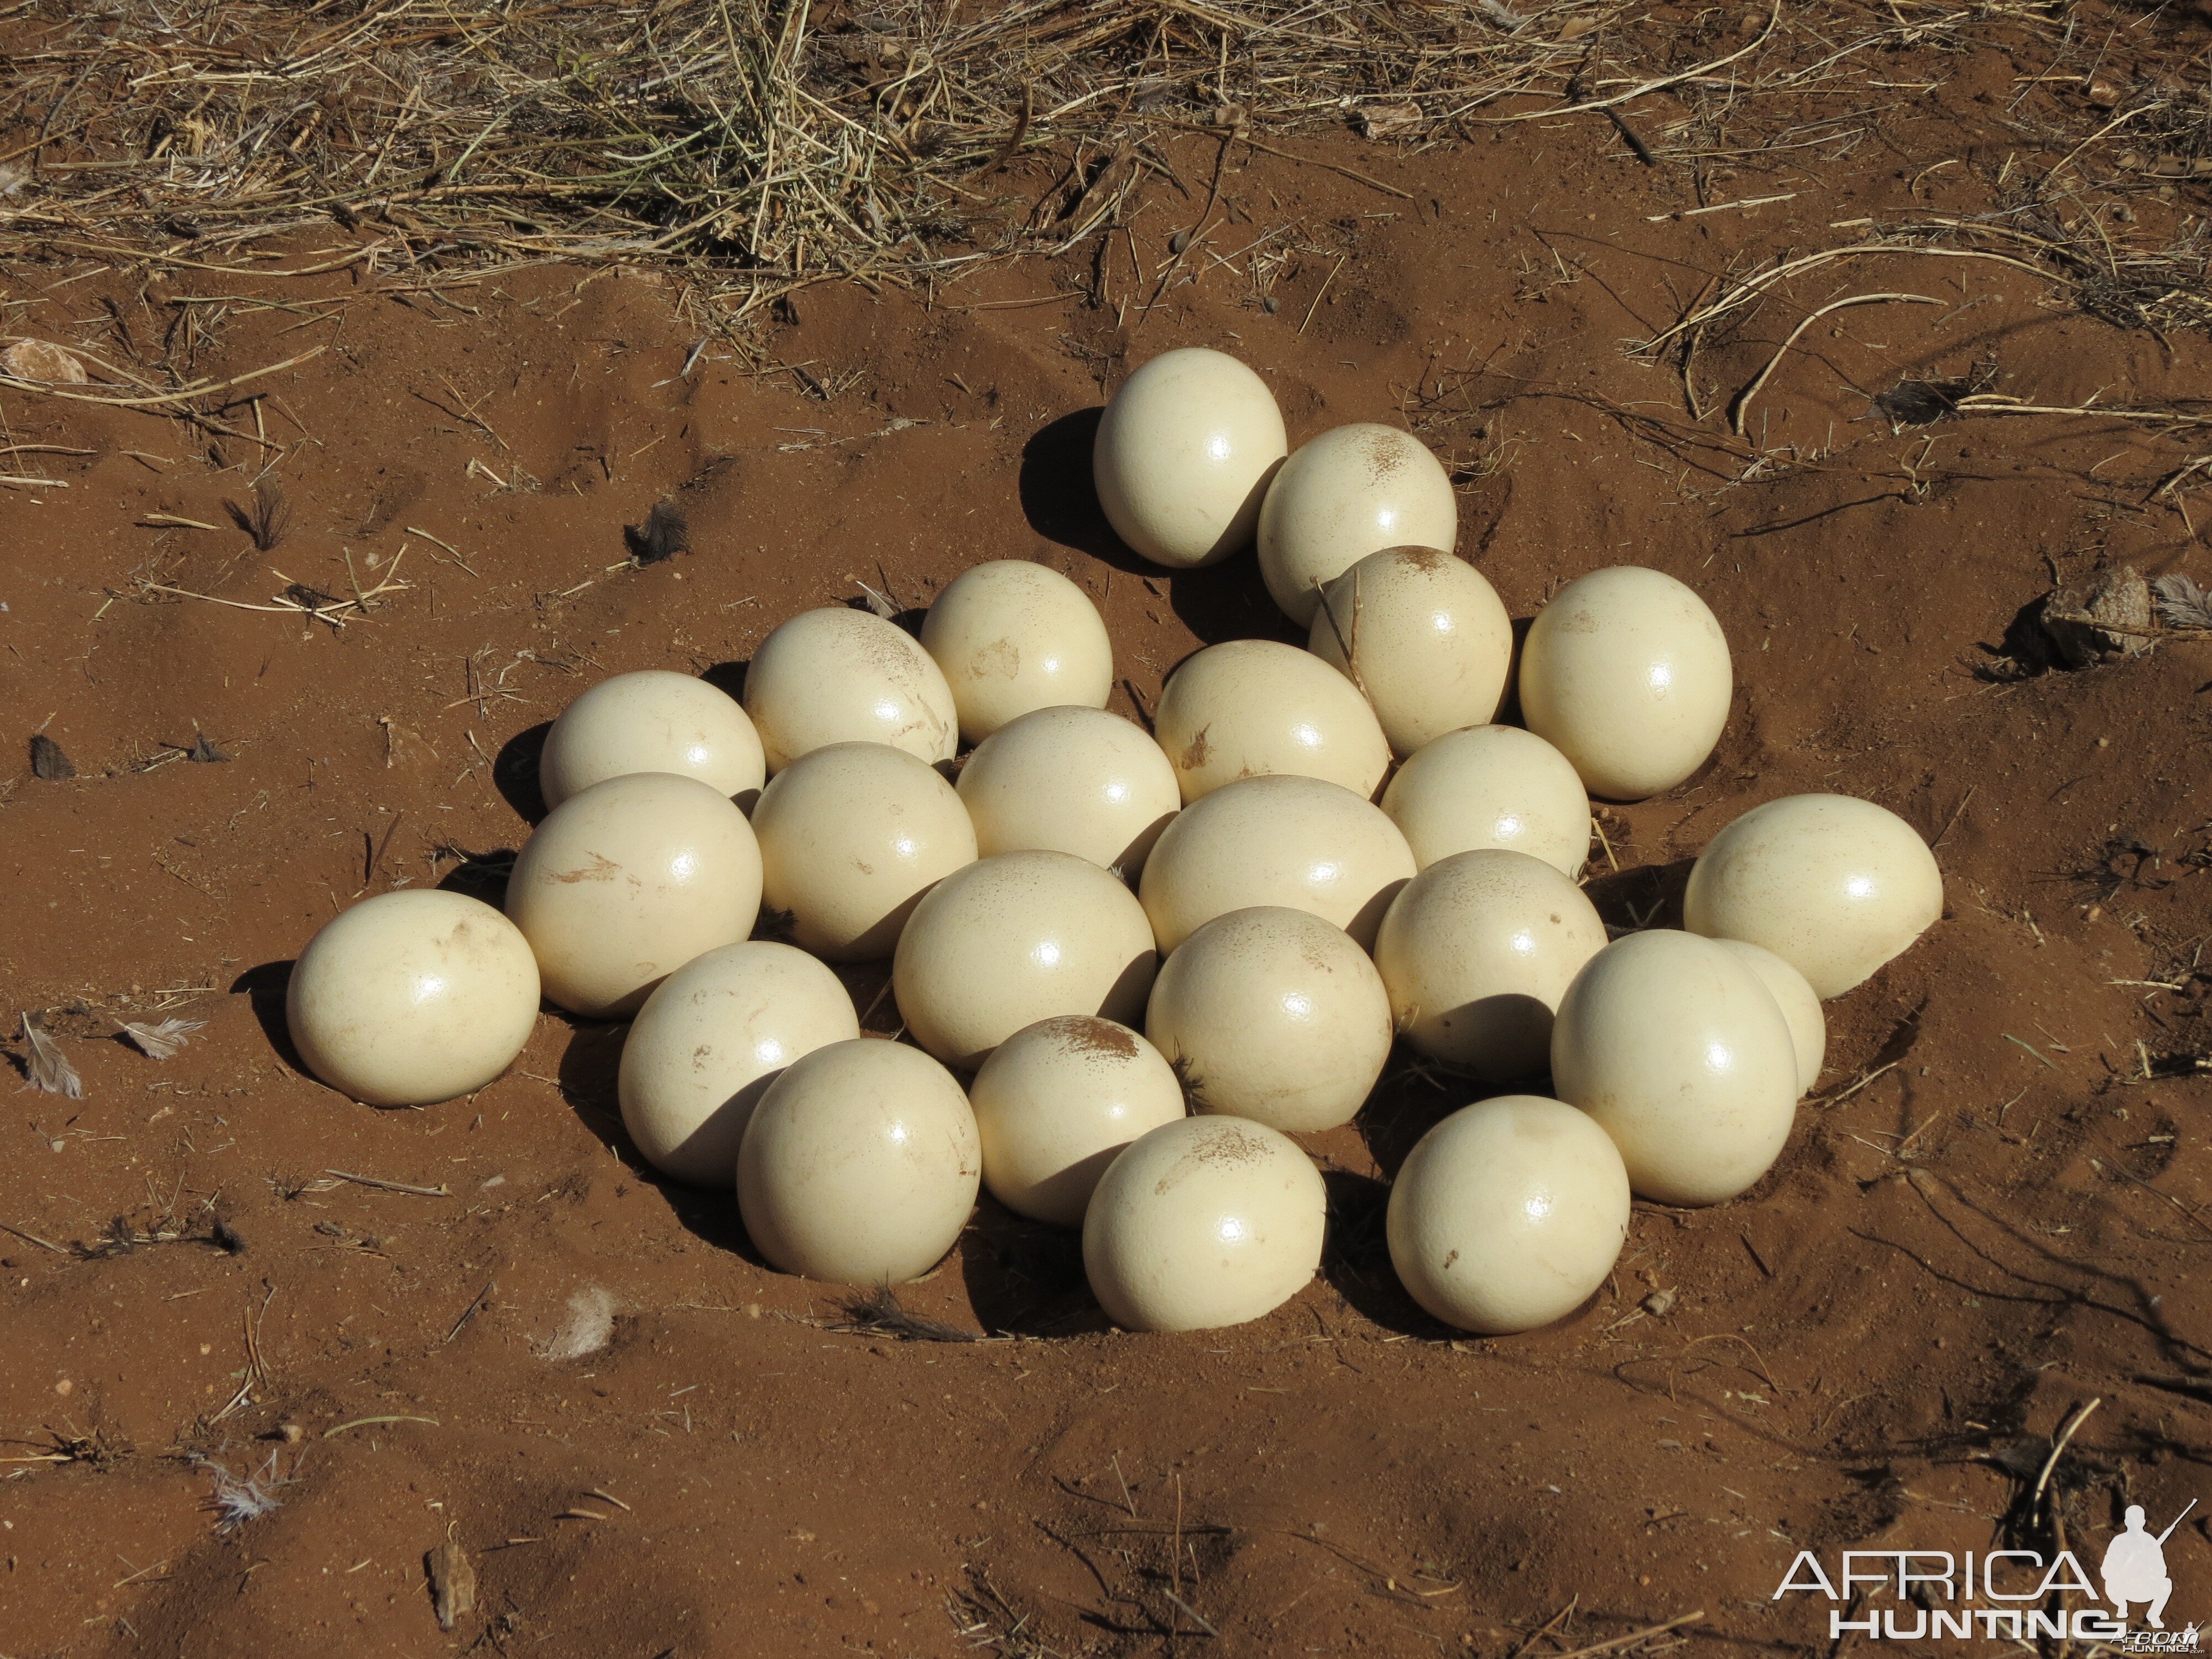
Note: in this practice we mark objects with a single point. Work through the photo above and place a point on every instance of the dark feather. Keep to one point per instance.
(879, 1314)
(48, 760)
(268, 520)
(662, 536)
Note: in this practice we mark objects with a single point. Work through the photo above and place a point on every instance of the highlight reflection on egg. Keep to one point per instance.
(1283, 839)
(1256, 708)
(1011, 941)
(1206, 1222)
(1183, 454)
(1476, 952)
(1682, 1055)
(1834, 885)
(1509, 1214)
(1272, 1014)
(1627, 673)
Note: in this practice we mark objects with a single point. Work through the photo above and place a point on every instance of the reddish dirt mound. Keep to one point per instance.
(511, 1336)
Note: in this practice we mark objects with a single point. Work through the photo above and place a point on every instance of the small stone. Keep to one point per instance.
(2103, 615)
(41, 361)
(452, 1582)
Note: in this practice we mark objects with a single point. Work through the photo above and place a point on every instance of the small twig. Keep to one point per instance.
(472, 1309)
(1634, 1637)
(32, 1238)
(1719, 207)
(1846, 1094)
(363, 1422)
(1191, 1613)
(1743, 399)
(2059, 1444)
(1322, 289)
(1953, 818)
(440, 1191)
(1315, 161)
(1773, 19)
(183, 394)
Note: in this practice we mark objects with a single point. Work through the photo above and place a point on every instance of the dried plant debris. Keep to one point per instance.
(2104, 616)
(662, 536)
(162, 1040)
(203, 750)
(880, 1313)
(1912, 402)
(98, 1449)
(313, 600)
(48, 760)
(852, 141)
(1920, 403)
(123, 1236)
(452, 1582)
(237, 1499)
(267, 518)
(2182, 602)
(46, 1067)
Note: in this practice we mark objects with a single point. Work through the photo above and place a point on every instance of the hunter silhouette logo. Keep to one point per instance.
(2134, 1567)
(2015, 1595)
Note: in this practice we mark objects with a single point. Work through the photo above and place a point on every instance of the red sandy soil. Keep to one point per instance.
(1873, 1348)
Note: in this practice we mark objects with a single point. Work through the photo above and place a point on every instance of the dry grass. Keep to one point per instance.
(775, 144)
(765, 144)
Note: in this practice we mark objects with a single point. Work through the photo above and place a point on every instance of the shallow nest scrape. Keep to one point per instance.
(770, 142)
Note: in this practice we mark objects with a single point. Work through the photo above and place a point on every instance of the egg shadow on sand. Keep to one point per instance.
(1409, 1100)
(1355, 1257)
(1646, 896)
(514, 773)
(589, 1068)
(1224, 601)
(263, 987)
(1025, 1277)
(481, 876)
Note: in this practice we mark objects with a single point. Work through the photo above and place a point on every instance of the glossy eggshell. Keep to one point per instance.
(1627, 673)
(1208, 1222)
(411, 998)
(1834, 885)
(1290, 841)
(1491, 786)
(1273, 1015)
(1077, 781)
(1057, 1102)
(1508, 1215)
(1183, 454)
(1353, 492)
(1254, 708)
(1476, 952)
(839, 675)
(851, 837)
(1013, 635)
(1801, 1008)
(1682, 1056)
(860, 1164)
(710, 1040)
(627, 881)
(1424, 636)
(1014, 939)
(653, 722)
